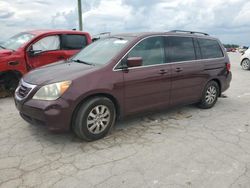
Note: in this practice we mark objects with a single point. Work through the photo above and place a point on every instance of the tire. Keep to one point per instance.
(245, 64)
(209, 95)
(10, 83)
(89, 124)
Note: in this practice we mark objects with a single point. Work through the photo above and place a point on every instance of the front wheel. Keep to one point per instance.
(94, 118)
(245, 64)
(8, 84)
(11, 84)
(210, 95)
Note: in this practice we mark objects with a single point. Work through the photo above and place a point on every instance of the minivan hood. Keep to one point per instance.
(5, 52)
(57, 72)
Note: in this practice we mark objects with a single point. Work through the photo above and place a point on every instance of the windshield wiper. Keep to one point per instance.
(2, 47)
(80, 61)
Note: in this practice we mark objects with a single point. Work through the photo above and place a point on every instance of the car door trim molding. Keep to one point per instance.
(145, 66)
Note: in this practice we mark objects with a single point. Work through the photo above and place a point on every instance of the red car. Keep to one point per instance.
(231, 50)
(28, 50)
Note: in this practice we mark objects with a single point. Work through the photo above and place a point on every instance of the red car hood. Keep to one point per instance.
(5, 52)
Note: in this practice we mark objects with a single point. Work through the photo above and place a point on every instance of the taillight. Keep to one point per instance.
(228, 65)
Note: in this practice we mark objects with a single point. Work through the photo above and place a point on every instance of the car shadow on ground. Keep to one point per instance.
(126, 130)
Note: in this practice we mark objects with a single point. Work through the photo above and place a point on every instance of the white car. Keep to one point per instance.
(245, 60)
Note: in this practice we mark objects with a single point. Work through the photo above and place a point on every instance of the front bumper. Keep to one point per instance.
(55, 115)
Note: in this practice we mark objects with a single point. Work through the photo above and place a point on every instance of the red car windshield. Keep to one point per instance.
(17, 41)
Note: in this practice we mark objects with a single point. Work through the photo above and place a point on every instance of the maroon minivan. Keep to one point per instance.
(122, 75)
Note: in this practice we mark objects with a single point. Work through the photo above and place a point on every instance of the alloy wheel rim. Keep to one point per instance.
(211, 95)
(245, 64)
(98, 119)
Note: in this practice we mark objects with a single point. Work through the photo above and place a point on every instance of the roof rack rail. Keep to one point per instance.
(99, 36)
(191, 32)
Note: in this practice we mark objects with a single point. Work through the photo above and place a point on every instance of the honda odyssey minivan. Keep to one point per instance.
(123, 75)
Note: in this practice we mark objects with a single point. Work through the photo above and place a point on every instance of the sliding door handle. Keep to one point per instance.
(178, 69)
(163, 71)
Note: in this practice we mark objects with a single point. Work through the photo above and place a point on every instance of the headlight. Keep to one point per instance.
(52, 91)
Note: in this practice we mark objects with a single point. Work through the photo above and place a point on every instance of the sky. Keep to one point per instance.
(227, 20)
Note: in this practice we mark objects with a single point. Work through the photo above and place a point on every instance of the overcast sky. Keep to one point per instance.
(225, 19)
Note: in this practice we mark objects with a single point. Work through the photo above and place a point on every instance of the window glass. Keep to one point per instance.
(103, 50)
(210, 48)
(73, 42)
(181, 49)
(47, 43)
(151, 50)
(17, 41)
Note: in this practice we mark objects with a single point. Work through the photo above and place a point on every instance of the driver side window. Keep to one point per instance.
(151, 50)
(47, 43)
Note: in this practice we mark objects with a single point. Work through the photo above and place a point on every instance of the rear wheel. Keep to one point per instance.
(210, 95)
(245, 64)
(94, 118)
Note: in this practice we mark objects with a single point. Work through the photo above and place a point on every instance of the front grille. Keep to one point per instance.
(23, 91)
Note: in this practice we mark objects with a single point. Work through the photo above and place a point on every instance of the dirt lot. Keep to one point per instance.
(184, 147)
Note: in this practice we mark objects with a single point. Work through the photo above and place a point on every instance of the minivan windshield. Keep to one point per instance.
(17, 41)
(101, 51)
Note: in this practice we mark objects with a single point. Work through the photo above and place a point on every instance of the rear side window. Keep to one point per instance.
(210, 49)
(73, 42)
(181, 49)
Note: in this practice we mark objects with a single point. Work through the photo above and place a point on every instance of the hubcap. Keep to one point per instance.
(245, 64)
(211, 95)
(98, 119)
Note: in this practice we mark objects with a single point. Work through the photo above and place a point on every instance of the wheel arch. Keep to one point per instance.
(218, 82)
(107, 95)
(215, 80)
(245, 58)
(12, 72)
(9, 73)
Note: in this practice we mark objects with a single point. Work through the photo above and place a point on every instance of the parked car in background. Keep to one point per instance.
(231, 50)
(29, 50)
(242, 49)
(245, 60)
(122, 75)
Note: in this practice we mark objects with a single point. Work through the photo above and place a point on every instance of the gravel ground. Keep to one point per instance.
(182, 147)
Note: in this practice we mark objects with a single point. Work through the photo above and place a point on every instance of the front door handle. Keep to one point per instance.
(163, 71)
(178, 69)
(61, 57)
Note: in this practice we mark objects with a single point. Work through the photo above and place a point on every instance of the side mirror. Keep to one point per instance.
(34, 52)
(134, 61)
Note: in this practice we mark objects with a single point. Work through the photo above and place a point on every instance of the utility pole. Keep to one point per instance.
(80, 14)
